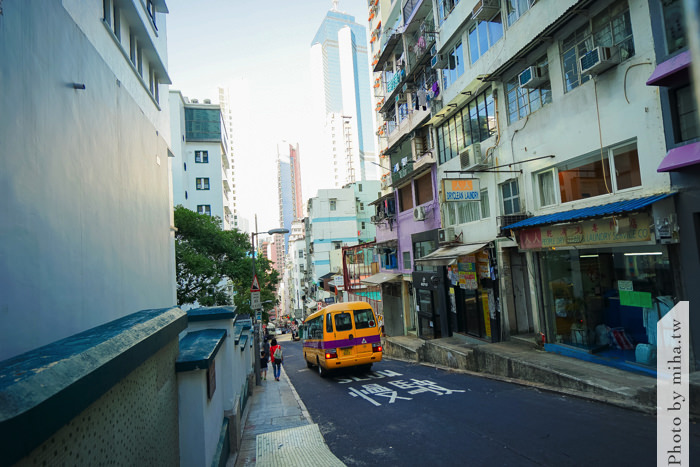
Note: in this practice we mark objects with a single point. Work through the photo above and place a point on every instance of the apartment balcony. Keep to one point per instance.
(403, 173)
(393, 39)
(394, 82)
(412, 121)
(413, 168)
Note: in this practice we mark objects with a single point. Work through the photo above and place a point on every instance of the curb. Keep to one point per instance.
(624, 404)
(304, 411)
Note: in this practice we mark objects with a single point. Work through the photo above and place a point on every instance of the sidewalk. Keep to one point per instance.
(279, 431)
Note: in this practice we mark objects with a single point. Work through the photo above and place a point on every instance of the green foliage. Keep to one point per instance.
(208, 257)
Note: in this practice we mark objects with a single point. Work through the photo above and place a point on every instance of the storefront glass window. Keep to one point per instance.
(607, 300)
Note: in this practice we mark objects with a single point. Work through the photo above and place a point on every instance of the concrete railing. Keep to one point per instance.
(106, 395)
(215, 377)
(158, 387)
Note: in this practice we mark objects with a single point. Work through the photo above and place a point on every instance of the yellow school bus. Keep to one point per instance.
(342, 335)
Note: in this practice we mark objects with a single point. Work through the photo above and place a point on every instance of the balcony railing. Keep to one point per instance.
(408, 124)
(395, 81)
(403, 172)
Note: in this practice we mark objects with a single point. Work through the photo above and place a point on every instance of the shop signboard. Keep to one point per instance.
(460, 190)
(594, 232)
(467, 273)
(638, 299)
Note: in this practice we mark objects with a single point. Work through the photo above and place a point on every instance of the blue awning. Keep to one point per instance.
(630, 205)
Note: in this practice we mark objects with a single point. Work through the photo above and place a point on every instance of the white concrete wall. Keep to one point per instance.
(84, 179)
(201, 418)
(230, 379)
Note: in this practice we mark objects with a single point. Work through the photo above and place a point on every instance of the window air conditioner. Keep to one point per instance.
(532, 77)
(446, 235)
(419, 213)
(438, 61)
(598, 60)
(471, 156)
(485, 10)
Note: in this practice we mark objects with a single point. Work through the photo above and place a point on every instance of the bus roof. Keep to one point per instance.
(344, 306)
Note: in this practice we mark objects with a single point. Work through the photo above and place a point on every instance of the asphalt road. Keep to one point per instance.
(410, 414)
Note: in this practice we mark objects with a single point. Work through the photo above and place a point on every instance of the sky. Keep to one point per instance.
(260, 51)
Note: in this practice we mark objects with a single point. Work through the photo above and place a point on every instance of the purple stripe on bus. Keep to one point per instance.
(342, 342)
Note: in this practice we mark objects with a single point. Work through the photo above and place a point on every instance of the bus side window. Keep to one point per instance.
(317, 329)
(329, 326)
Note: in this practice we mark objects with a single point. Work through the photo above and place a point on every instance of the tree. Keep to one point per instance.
(208, 258)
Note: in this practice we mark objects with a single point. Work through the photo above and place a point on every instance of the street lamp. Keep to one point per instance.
(256, 333)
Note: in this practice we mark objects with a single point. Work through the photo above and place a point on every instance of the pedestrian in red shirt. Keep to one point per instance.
(276, 358)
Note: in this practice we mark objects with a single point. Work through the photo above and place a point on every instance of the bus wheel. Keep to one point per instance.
(321, 371)
(309, 364)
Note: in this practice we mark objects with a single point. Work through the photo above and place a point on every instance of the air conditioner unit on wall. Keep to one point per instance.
(532, 77)
(485, 9)
(470, 156)
(419, 213)
(598, 60)
(446, 235)
(438, 61)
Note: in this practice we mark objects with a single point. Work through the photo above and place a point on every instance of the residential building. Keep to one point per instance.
(407, 86)
(342, 103)
(560, 200)
(337, 218)
(201, 166)
(87, 232)
(297, 269)
(547, 221)
(682, 134)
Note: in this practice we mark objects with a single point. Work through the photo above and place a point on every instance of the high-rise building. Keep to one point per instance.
(340, 71)
(201, 169)
(288, 189)
(227, 117)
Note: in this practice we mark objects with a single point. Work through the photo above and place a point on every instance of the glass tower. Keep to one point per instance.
(340, 70)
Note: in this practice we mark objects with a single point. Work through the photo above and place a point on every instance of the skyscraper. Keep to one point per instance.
(341, 82)
(288, 187)
(227, 118)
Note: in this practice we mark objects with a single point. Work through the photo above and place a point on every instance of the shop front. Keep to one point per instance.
(470, 280)
(604, 283)
(430, 305)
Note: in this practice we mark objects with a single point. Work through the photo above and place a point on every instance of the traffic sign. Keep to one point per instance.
(256, 285)
(255, 300)
(258, 315)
